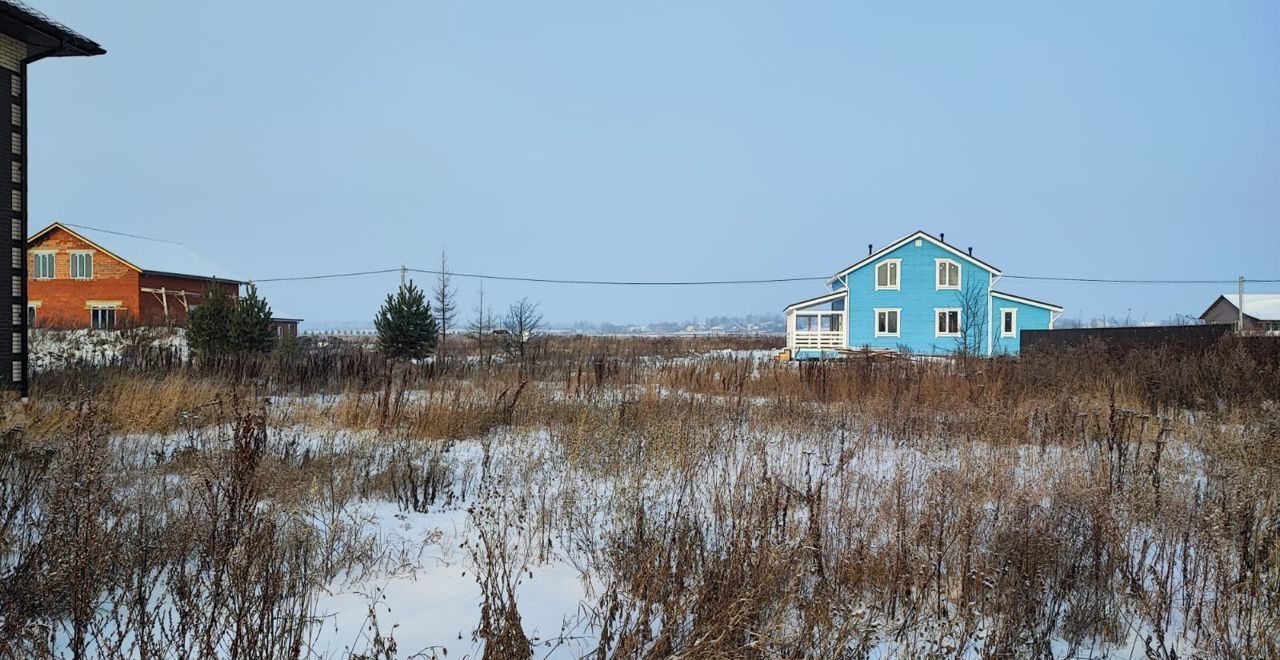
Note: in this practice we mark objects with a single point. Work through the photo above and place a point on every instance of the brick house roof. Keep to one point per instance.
(148, 255)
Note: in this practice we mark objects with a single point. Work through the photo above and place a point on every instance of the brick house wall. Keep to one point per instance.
(152, 309)
(65, 302)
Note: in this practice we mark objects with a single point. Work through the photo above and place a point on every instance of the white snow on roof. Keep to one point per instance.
(1261, 306)
(154, 255)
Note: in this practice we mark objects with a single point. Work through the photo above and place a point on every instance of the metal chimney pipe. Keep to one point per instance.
(942, 237)
(868, 249)
(971, 250)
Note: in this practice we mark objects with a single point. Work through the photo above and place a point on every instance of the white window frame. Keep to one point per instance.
(937, 275)
(115, 316)
(939, 311)
(897, 275)
(807, 316)
(36, 255)
(897, 326)
(1012, 311)
(85, 253)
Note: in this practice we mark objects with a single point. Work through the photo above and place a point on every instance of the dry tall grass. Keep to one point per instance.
(1067, 505)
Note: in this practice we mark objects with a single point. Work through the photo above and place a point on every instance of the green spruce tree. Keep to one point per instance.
(406, 326)
(209, 323)
(251, 325)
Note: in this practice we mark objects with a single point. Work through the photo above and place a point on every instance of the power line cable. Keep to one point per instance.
(1099, 280)
(775, 280)
(327, 277)
(545, 280)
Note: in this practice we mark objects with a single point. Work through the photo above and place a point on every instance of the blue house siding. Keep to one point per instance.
(1029, 317)
(917, 297)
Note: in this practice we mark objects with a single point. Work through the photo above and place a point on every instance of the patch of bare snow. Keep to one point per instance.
(55, 349)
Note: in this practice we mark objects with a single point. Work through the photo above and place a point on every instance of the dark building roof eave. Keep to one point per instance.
(189, 276)
(48, 37)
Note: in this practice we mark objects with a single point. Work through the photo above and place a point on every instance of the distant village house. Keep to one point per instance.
(1261, 312)
(81, 277)
(917, 294)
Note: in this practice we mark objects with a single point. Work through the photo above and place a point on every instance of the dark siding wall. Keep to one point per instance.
(1124, 338)
(13, 201)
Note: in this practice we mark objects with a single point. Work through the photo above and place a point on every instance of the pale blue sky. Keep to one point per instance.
(673, 140)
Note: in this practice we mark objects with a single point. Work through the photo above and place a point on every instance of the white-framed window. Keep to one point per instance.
(1272, 327)
(887, 322)
(887, 274)
(81, 265)
(42, 265)
(948, 324)
(102, 318)
(948, 274)
(1008, 321)
(827, 322)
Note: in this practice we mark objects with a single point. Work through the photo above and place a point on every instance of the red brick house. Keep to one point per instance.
(82, 277)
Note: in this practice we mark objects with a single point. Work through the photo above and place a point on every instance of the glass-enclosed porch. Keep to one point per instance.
(818, 327)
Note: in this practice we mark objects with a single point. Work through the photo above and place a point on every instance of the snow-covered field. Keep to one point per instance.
(648, 519)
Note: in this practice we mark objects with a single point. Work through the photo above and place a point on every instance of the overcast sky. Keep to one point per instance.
(672, 140)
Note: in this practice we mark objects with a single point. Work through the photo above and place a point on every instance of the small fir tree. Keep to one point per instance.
(406, 327)
(251, 324)
(209, 323)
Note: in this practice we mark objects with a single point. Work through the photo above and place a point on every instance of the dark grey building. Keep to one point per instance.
(1261, 312)
(26, 36)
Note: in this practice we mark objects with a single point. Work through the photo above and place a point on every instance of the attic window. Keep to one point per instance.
(81, 265)
(887, 275)
(42, 263)
(948, 274)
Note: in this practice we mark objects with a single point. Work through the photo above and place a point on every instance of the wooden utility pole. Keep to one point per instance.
(403, 270)
(1240, 307)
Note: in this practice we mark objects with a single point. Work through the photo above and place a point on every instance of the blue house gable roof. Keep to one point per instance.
(906, 240)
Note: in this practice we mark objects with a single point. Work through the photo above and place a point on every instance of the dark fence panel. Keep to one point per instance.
(1184, 336)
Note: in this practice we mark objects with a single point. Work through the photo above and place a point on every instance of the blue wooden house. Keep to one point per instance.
(917, 294)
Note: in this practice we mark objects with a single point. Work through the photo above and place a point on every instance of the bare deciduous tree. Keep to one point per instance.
(972, 300)
(481, 327)
(522, 324)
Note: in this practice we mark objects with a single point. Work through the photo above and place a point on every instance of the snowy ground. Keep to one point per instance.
(554, 501)
(435, 603)
(57, 349)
